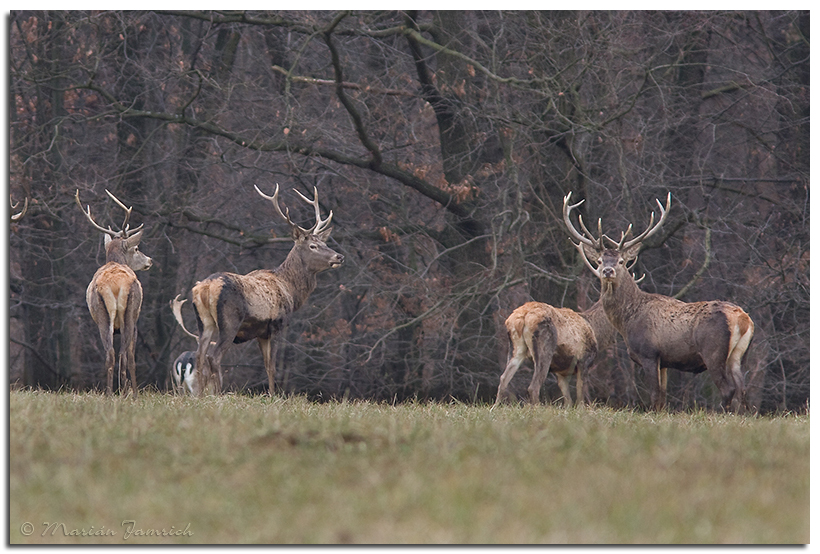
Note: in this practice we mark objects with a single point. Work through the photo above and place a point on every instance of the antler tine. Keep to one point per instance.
(650, 230)
(176, 307)
(87, 213)
(125, 230)
(572, 231)
(18, 217)
(275, 201)
(580, 248)
(320, 225)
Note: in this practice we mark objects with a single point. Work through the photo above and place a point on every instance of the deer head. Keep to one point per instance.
(310, 244)
(120, 246)
(617, 259)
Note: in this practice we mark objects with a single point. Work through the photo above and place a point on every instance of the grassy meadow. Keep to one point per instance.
(87, 469)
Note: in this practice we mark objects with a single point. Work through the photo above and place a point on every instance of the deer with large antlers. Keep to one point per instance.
(233, 308)
(662, 332)
(114, 296)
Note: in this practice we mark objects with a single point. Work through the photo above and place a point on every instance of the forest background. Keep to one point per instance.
(444, 143)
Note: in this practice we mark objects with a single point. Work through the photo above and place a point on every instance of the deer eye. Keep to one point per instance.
(314, 246)
(620, 262)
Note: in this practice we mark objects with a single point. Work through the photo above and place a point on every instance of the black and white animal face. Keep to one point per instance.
(183, 372)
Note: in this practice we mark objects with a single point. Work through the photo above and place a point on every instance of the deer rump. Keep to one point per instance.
(681, 337)
(551, 332)
(255, 304)
(113, 291)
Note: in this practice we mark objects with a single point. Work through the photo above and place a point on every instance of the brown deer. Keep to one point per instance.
(237, 308)
(555, 339)
(114, 296)
(662, 332)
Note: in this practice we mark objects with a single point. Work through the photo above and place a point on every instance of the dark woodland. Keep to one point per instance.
(444, 143)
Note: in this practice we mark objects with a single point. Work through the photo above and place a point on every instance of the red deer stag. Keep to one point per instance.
(237, 308)
(662, 332)
(114, 296)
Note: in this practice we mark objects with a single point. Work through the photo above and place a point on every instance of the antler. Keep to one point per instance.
(87, 212)
(124, 225)
(650, 230)
(589, 239)
(125, 233)
(320, 224)
(18, 217)
(176, 307)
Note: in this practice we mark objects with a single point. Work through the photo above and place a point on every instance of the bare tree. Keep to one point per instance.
(450, 139)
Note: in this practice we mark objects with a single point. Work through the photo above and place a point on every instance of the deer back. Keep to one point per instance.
(574, 336)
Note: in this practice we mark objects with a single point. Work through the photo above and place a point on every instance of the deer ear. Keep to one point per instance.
(631, 253)
(324, 235)
(591, 253)
(133, 240)
(296, 233)
(106, 239)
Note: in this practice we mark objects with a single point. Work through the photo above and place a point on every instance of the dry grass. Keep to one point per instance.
(240, 469)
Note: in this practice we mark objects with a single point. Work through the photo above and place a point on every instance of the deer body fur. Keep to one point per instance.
(693, 337)
(114, 297)
(233, 308)
(662, 332)
(556, 339)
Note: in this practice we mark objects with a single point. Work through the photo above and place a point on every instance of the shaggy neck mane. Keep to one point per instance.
(620, 298)
(114, 253)
(295, 272)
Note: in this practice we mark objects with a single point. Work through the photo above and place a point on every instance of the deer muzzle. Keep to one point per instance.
(336, 261)
(608, 273)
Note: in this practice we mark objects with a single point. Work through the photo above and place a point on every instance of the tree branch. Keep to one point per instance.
(389, 170)
(365, 139)
(707, 244)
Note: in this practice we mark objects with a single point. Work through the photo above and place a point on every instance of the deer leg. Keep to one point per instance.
(214, 357)
(541, 367)
(202, 370)
(652, 369)
(662, 381)
(583, 367)
(720, 373)
(513, 363)
(267, 346)
(544, 344)
(563, 384)
(107, 335)
(132, 362)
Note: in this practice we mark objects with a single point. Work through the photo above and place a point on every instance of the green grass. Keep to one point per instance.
(287, 470)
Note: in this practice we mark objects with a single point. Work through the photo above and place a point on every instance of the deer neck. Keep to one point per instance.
(621, 299)
(300, 279)
(114, 253)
